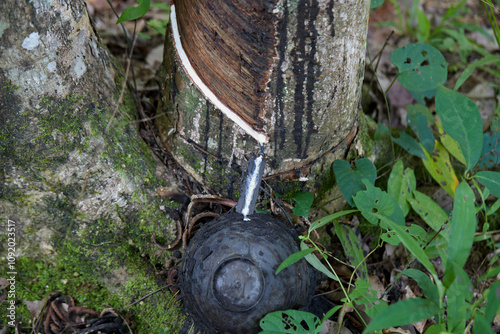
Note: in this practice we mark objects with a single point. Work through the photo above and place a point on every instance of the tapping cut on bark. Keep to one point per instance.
(227, 49)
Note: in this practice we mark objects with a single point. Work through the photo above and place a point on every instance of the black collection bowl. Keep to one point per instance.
(227, 277)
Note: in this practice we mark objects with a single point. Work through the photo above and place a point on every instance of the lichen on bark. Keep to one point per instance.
(82, 193)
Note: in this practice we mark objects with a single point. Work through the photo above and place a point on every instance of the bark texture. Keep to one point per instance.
(310, 100)
(77, 190)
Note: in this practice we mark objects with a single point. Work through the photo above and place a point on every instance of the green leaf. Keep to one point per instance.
(325, 220)
(493, 302)
(463, 225)
(376, 3)
(461, 120)
(409, 144)
(490, 155)
(411, 244)
(419, 124)
(458, 296)
(349, 180)
(403, 313)
(481, 326)
(488, 59)
(415, 231)
(401, 184)
(423, 26)
(304, 202)
(490, 180)
(373, 201)
(313, 261)
(290, 322)
(428, 210)
(421, 67)
(331, 312)
(352, 248)
(133, 13)
(439, 166)
(295, 257)
(424, 282)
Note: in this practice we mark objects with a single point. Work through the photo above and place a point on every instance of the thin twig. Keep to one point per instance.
(146, 296)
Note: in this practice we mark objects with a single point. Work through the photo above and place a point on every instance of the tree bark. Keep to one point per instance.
(76, 179)
(310, 87)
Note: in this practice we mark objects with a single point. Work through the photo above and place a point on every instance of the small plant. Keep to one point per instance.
(456, 160)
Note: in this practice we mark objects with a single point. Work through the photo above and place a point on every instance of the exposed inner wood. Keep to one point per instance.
(230, 44)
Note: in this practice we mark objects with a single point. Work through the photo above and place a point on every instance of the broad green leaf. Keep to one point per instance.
(313, 261)
(458, 296)
(490, 155)
(461, 120)
(325, 220)
(290, 322)
(352, 248)
(493, 302)
(421, 66)
(411, 244)
(376, 3)
(401, 184)
(403, 313)
(428, 210)
(373, 201)
(490, 180)
(410, 145)
(295, 257)
(436, 329)
(463, 225)
(415, 231)
(349, 180)
(133, 13)
(424, 282)
(304, 201)
(439, 166)
(481, 326)
(418, 122)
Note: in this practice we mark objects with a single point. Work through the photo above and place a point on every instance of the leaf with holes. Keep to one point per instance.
(290, 321)
(352, 248)
(133, 13)
(428, 210)
(413, 230)
(349, 180)
(373, 200)
(439, 166)
(401, 184)
(421, 66)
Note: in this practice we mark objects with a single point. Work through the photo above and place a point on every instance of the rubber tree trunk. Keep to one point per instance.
(291, 69)
(82, 194)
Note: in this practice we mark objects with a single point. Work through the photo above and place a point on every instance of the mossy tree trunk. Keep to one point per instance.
(81, 193)
(309, 100)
